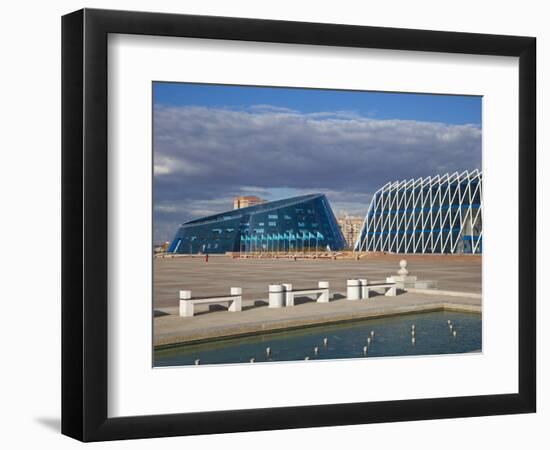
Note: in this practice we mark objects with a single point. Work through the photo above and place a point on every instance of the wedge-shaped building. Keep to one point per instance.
(299, 224)
(440, 214)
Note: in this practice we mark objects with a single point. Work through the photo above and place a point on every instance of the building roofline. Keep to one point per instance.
(267, 206)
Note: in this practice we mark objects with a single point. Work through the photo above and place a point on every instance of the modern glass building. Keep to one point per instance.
(440, 214)
(299, 224)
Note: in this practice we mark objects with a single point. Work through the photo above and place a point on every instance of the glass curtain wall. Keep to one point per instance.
(302, 224)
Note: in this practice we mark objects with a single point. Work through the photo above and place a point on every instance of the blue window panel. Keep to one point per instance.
(238, 236)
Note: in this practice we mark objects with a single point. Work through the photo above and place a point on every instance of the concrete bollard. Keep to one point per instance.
(454, 333)
(316, 350)
(237, 304)
(289, 296)
(197, 362)
(186, 308)
(324, 298)
(353, 290)
(268, 351)
(413, 340)
(365, 350)
(364, 290)
(372, 334)
(325, 341)
(369, 340)
(252, 360)
(276, 296)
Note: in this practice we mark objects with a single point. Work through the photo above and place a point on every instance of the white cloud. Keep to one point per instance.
(205, 156)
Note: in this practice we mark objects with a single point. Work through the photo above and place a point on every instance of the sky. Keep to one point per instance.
(214, 142)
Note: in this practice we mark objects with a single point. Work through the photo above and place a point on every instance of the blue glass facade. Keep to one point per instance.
(297, 224)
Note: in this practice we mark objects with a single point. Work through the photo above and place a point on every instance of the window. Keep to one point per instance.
(301, 224)
(273, 216)
(272, 224)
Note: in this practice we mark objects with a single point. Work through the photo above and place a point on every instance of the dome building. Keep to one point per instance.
(440, 214)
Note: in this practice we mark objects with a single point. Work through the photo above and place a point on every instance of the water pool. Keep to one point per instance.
(392, 337)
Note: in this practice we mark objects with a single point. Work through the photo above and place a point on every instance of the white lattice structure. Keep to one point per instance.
(440, 214)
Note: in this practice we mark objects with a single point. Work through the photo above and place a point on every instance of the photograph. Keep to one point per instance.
(272, 226)
(295, 224)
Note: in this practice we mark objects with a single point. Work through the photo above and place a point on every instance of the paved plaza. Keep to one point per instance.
(215, 277)
(254, 275)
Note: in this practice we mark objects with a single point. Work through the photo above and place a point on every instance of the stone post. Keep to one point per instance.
(236, 305)
(276, 296)
(186, 307)
(289, 296)
(325, 296)
(353, 290)
(364, 291)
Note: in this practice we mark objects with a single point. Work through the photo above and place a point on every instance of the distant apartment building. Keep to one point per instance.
(246, 201)
(350, 227)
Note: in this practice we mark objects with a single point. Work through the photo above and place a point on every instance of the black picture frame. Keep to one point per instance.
(84, 224)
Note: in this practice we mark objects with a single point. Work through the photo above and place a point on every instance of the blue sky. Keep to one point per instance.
(214, 142)
(450, 109)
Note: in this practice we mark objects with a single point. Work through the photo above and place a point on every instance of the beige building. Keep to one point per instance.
(247, 200)
(350, 227)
